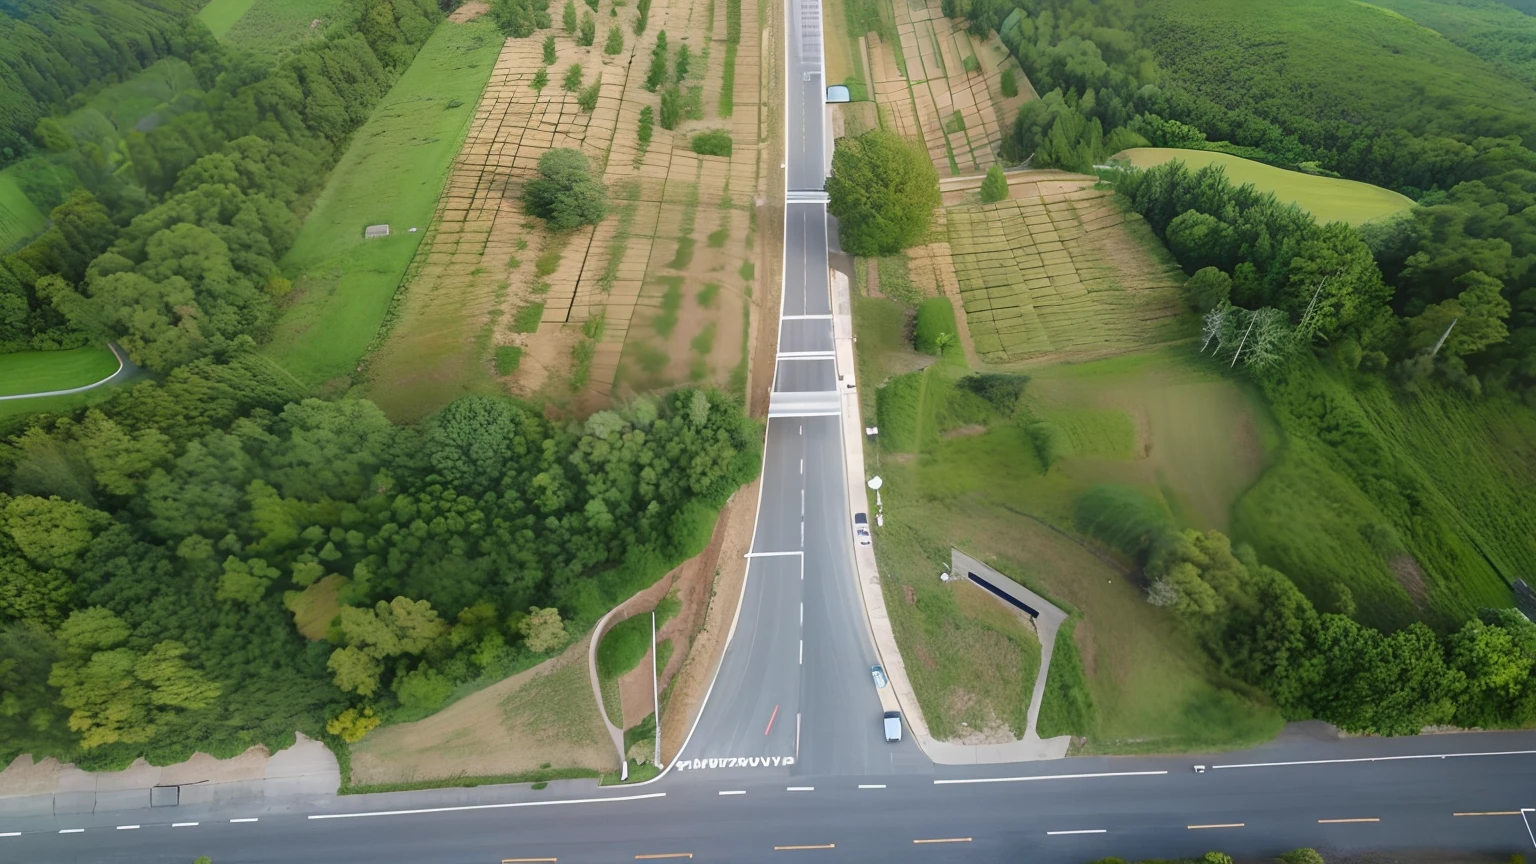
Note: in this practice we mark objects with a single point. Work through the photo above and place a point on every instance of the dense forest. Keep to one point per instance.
(171, 246)
(210, 560)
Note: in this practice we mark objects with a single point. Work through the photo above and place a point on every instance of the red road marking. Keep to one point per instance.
(770, 721)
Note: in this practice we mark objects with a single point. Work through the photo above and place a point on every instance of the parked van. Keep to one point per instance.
(893, 726)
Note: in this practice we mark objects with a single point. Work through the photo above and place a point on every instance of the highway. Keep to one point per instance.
(787, 761)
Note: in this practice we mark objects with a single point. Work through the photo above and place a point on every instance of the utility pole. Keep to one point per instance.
(1239, 352)
(656, 689)
(1442, 338)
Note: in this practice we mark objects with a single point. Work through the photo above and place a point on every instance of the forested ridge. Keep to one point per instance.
(170, 244)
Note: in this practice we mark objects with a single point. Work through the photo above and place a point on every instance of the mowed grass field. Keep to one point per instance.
(41, 371)
(220, 15)
(960, 471)
(1329, 199)
(393, 173)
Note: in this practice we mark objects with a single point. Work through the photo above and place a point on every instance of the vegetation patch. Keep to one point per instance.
(42, 371)
(316, 606)
(271, 27)
(528, 318)
(508, 358)
(716, 142)
(665, 321)
(1329, 199)
(343, 284)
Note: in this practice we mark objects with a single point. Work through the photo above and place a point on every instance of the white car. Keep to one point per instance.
(861, 528)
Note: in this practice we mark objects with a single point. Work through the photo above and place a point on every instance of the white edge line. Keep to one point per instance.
(246, 819)
(1376, 759)
(1050, 777)
(1528, 832)
(733, 791)
(487, 806)
(183, 824)
(1081, 831)
(794, 553)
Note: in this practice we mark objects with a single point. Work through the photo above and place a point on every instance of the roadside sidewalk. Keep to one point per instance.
(900, 693)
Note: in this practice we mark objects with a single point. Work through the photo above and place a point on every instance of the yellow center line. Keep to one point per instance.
(1338, 821)
(793, 848)
(945, 840)
(1223, 825)
(1491, 813)
(664, 855)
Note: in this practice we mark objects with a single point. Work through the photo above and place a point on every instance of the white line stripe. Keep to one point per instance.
(488, 806)
(1376, 759)
(871, 785)
(1051, 777)
(773, 554)
(733, 792)
(802, 652)
(805, 317)
(800, 789)
(183, 824)
(249, 819)
(127, 827)
(1082, 831)
(807, 355)
(10, 834)
(71, 830)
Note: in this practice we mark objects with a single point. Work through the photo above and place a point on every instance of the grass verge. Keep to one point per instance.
(41, 371)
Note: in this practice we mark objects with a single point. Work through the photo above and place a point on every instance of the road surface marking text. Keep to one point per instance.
(1223, 825)
(1081, 831)
(1342, 821)
(795, 848)
(464, 807)
(734, 762)
(1051, 777)
(944, 840)
(733, 792)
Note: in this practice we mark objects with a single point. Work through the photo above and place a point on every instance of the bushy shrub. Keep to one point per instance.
(565, 193)
(1009, 83)
(646, 123)
(1001, 389)
(615, 43)
(716, 142)
(935, 328)
(588, 32)
(671, 108)
(684, 60)
(995, 187)
(572, 81)
(658, 71)
(588, 98)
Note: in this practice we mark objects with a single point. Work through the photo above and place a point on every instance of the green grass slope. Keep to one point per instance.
(20, 220)
(1327, 198)
(393, 173)
(219, 15)
(41, 371)
(1334, 62)
(1492, 30)
(273, 26)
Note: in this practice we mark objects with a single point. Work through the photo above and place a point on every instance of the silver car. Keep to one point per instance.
(861, 528)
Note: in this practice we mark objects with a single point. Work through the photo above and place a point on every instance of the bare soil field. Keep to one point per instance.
(944, 87)
(545, 715)
(659, 294)
(1054, 272)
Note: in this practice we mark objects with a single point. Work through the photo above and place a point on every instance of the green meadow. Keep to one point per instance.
(41, 371)
(1329, 199)
(965, 471)
(271, 26)
(220, 15)
(20, 220)
(393, 174)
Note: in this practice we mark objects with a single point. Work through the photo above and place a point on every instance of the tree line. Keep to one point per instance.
(184, 264)
(1112, 75)
(53, 52)
(1263, 631)
(156, 553)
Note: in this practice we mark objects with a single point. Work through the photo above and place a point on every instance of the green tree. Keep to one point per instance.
(549, 50)
(572, 81)
(1199, 240)
(540, 79)
(883, 191)
(51, 532)
(542, 630)
(565, 193)
(657, 72)
(352, 725)
(1207, 289)
(671, 108)
(588, 31)
(995, 187)
(568, 16)
(615, 43)
(1480, 312)
(684, 60)
(587, 99)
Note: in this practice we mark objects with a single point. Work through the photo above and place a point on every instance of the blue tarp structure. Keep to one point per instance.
(1008, 598)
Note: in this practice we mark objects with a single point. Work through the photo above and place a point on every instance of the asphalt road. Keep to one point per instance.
(1123, 807)
(794, 706)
